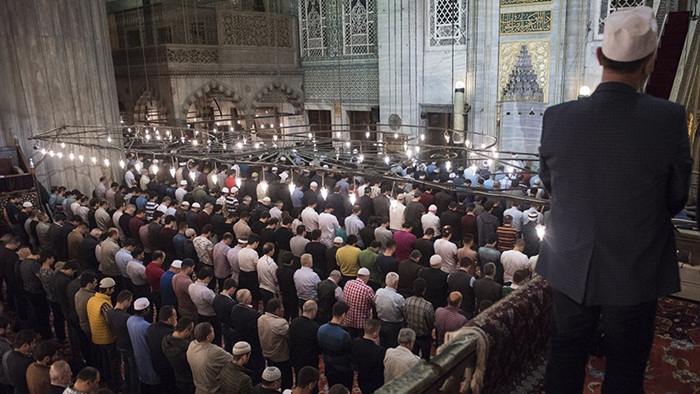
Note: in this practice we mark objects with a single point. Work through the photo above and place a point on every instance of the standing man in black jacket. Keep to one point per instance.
(244, 319)
(610, 263)
(167, 318)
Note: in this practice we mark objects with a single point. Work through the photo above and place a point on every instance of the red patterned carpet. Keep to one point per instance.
(674, 363)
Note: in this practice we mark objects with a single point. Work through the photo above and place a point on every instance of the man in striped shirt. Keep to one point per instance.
(507, 234)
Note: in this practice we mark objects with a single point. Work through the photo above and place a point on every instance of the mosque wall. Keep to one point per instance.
(56, 70)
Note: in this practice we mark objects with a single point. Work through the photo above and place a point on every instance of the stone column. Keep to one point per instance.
(55, 70)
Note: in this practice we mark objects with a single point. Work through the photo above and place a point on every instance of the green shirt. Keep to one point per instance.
(368, 260)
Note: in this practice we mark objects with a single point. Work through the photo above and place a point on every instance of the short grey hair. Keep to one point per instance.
(406, 336)
(335, 274)
(243, 295)
(392, 278)
(307, 260)
(310, 307)
(59, 370)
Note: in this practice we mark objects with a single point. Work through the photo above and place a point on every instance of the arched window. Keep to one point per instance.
(359, 27)
(607, 7)
(448, 22)
(312, 26)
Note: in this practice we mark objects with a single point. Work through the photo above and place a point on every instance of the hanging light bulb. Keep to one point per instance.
(154, 169)
(264, 185)
(540, 231)
(81, 158)
(422, 137)
(43, 151)
(274, 137)
(194, 142)
(138, 165)
(409, 153)
(63, 145)
(448, 165)
(214, 178)
(122, 164)
(172, 171)
(106, 162)
(257, 145)
(224, 145)
(386, 159)
(60, 155)
(109, 139)
(71, 156)
(396, 136)
(94, 160)
(353, 198)
(291, 187)
(360, 158)
(238, 183)
(367, 134)
(239, 145)
(447, 136)
(51, 153)
(324, 193)
(310, 136)
(192, 175)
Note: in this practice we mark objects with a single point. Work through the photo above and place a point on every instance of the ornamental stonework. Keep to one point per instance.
(193, 55)
(526, 22)
(511, 53)
(518, 3)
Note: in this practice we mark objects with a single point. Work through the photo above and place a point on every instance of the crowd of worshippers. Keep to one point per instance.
(247, 287)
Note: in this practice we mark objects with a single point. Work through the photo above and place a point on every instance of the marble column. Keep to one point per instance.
(56, 70)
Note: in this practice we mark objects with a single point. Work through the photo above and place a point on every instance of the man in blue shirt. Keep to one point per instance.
(167, 293)
(137, 327)
(335, 344)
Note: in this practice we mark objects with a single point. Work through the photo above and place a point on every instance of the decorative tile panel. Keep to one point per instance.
(255, 29)
(510, 52)
(193, 55)
(526, 22)
(357, 84)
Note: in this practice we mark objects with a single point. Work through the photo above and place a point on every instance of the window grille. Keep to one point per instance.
(607, 7)
(165, 35)
(312, 26)
(448, 22)
(198, 34)
(359, 29)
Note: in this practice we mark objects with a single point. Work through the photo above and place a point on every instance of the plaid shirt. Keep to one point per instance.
(420, 316)
(446, 320)
(360, 298)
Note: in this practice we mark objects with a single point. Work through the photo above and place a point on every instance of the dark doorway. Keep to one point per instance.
(320, 122)
(438, 123)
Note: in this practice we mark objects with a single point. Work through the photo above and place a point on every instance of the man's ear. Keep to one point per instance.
(599, 55)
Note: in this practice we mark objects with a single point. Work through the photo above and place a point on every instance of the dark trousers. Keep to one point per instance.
(230, 337)
(389, 334)
(110, 360)
(39, 312)
(59, 322)
(131, 373)
(286, 368)
(339, 374)
(77, 340)
(423, 346)
(355, 332)
(118, 287)
(629, 332)
(249, 280)
(345, 279)
(266, 296)
(220, 282)
(291, 306)
(141, 291)
(214, 321)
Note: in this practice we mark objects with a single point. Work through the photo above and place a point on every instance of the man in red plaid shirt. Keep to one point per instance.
(360, 297)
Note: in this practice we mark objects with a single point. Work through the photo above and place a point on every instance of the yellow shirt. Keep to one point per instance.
(348, 260)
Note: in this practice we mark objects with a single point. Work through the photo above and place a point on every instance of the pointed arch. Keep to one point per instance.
(208, 87)
(149, 101)
(294, 98)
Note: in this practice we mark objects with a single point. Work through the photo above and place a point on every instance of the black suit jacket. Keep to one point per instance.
(616, 166)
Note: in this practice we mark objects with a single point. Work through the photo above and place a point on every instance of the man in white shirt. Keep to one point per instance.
(328, 224)
(203, 298)
(248, 264)
(447, 250)
(309, 216)
(353, 224)
(514, 260)
(431, 220)
(299, 241)
(390, 307)
(232, 257)
(306, 280)
(267, 274)
(396, 211)
(400, 359)
(181, 191)
(514, 212)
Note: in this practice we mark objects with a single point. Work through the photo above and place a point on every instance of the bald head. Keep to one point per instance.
(244, 297)
(455, 299)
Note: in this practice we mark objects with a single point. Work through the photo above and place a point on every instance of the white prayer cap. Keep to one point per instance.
(183, 182)
(141, 304)
(435, 260)
(432, 208)
(630, 34)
